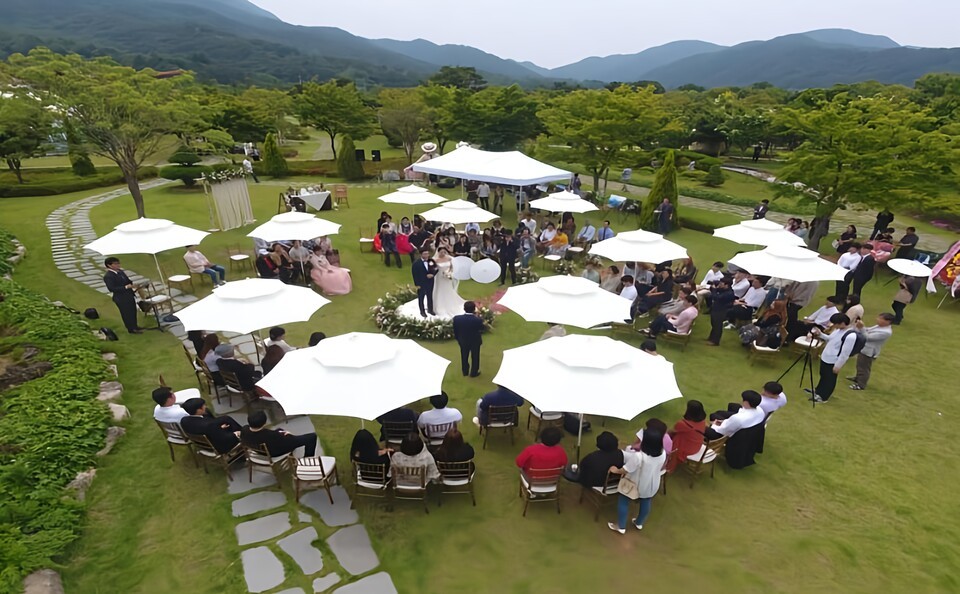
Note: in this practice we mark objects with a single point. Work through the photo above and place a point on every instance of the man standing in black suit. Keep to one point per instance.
(508, 257)
(423, 273)
(467, 329)
(760, 210)
(223, 432)
(864, 271)
(120, 285)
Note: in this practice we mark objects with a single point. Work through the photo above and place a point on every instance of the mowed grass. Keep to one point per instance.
(854, 496)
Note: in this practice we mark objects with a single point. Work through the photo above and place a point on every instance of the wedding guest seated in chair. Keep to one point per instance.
(330, 279)
(592, 471)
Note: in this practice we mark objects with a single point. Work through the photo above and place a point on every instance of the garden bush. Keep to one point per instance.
(185, 173)
(50, 182)
(682, 159)
(714, 177)
(50, 430)
(184, 156)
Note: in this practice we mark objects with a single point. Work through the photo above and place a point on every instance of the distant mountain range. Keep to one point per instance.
(234, 41)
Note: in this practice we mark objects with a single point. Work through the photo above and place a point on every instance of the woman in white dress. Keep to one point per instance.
(446, 302)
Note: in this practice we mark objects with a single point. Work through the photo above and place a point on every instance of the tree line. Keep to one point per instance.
(865, 143)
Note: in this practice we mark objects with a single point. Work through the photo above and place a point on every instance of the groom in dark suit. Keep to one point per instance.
(424, 272)
(467, 329)
(122, 288)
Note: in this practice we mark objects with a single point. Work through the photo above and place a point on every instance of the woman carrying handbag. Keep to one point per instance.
(640, 480)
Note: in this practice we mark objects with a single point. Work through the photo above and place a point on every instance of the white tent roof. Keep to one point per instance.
(511, 168)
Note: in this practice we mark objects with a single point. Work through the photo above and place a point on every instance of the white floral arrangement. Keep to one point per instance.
(389, 321)
(224, 175)
(527, 275)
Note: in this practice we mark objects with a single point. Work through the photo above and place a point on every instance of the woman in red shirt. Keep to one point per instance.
(547, 454)
(687, 434)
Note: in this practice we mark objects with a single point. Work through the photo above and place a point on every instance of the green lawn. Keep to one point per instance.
(854, 496)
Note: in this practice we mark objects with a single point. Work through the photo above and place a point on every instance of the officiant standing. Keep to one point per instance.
(424, 272)
(468, 329)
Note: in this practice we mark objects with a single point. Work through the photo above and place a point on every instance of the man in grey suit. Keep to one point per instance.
(876, 337)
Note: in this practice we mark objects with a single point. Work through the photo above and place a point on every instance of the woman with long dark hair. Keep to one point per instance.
(366, 449)
(641, 479)
(454, 448)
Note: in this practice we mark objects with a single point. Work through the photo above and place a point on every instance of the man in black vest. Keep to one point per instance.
(467, 329)
(122, 288)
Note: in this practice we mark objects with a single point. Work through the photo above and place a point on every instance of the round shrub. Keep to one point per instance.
(188, 174)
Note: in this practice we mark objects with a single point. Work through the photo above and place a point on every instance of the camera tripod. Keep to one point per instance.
(807, 357)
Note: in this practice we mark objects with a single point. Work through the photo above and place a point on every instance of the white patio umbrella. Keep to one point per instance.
(758, 232)
(563, 202)
(909, 267)
(146, 236)
(288, 226)
(459, 212)
(790, 263)
(568, 300)
(599, 376)
(245, 306)
(355, 375)
(639, 246)
(294, 225)
(413, 195)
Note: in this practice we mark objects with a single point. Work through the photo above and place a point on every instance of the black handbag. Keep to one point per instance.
(91, 313)
(109, 334)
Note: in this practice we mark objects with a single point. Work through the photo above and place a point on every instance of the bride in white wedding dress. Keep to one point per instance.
(446, 301)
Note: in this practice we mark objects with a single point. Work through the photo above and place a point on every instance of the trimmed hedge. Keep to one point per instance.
(50, 430)
(188, 174)
(62, 181)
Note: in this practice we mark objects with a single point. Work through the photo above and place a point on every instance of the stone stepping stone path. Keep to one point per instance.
(276, 535)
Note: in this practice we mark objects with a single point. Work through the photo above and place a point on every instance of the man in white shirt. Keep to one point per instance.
(529, 222)
(277, 337)
(748, 416)
(197, 263)
(741, 283)
(876, 337)
(167, 409)
(483, 193)
(587, 233)
(475, 227)
(772, 398)
(605, 232)
(850, 260)
(839, 347)
(744, 308)
(819, 319)
(713, 275)
(433, 422)
(248, 168)
(629, 291)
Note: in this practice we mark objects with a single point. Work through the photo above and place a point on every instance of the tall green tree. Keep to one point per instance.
(664, 186)
(459, 77)
(403, 115)
(25, 127)
(335, 109)
(439, 101)
(875, 151)
(273, 162)
(121, 113)
(596, 128)
(347, 165)
(497, 118)
(253, 113)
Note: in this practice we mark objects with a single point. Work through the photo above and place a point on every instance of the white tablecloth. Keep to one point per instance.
(316, 200)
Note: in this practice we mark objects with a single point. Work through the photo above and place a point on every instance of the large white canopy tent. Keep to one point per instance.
(511, 168)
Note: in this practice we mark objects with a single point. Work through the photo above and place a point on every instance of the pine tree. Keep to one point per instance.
(664, 186)
(347, 165)
(273, 162)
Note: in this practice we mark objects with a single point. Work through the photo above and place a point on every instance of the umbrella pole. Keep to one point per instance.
(579, 436)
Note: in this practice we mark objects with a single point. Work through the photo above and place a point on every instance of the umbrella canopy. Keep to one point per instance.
(638, 246)
(790, 263)
(355, 375)
(569, 300)
(294, 225)
(512, 168)
(758, 232)
(146, 236)
(459, 212)
(909, 267)
(599, 376)
(247, 305)
(413, 195)
(563, 202)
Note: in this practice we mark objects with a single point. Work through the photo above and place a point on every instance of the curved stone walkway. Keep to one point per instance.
(276, 535)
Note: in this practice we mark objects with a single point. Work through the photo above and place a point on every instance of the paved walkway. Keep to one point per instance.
(276, 536)
(863, 220)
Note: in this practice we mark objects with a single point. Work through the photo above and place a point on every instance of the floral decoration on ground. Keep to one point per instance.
(390, 322)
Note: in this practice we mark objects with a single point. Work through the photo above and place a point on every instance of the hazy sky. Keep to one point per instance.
(563, 31)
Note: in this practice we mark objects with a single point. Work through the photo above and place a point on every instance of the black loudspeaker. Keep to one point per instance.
(360, 155)
(375, 156)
